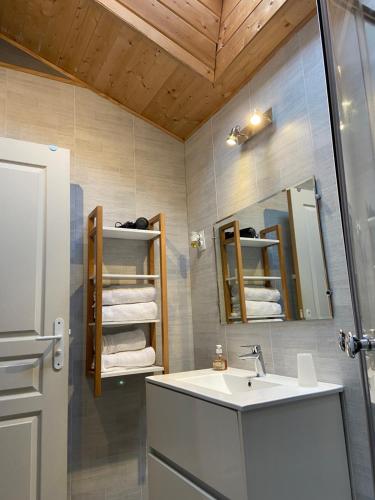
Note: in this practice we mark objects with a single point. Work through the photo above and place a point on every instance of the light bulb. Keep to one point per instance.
(231, 140)
(255, 118)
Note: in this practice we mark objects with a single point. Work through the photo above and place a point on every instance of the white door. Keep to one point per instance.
(308, 242)
(34, 292)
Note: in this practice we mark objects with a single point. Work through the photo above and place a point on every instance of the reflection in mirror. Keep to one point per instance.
(270, 260)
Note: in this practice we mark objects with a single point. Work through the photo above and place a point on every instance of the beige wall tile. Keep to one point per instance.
(3, 90)
(131, 169)
(39, 110)
(296, 146)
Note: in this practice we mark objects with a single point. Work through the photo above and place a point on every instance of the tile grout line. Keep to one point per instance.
(214, 166)
(188, 255)
(305, 92)
(134, 167)
(6, 102)
(217, 216)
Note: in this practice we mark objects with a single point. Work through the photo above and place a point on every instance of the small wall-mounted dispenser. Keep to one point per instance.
(198, 240)
(257, 122)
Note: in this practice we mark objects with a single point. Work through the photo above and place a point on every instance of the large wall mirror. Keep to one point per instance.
(270, 260)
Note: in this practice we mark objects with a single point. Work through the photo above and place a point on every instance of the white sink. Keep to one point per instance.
(231, 387)
(230, 383)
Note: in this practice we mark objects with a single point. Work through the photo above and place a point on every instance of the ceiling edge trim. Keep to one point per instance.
(35, 72)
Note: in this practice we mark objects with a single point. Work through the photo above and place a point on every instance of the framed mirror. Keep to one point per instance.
(270, 260)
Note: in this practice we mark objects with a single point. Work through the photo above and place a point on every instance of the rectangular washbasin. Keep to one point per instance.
(228, 383)
(231, 387)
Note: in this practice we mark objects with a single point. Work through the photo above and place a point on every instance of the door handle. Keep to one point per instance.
(58, 340)
(352, 344)
(49, 337)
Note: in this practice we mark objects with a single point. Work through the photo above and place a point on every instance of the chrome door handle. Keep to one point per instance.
(352, 345)
(49, 337)
(58, 340)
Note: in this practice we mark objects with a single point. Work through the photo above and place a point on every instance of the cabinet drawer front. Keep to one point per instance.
(164, 483)
(200, 437)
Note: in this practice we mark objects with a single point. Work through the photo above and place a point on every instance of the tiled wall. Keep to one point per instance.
(132, 169)
(222, 180)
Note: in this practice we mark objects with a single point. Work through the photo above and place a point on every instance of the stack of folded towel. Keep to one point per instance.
(129, 303)
(260, 301)
(126, 350)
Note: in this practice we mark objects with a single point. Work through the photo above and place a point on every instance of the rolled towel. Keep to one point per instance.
(256, 308)
(130, 312)
(128, 294)
(132, 340)
(258, 293)
(129, 359)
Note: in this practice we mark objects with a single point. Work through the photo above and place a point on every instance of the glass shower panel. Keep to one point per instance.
(352, 26)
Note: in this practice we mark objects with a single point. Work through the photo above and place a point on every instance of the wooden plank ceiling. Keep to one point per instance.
(172, 62)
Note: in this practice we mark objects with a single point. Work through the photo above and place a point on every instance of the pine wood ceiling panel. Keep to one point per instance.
(214, 5)
(169, 96)
(234, 20)
(198, 101)
(228, 7)
(276, 32)
(122, 48)
(56, 28)
(196, 14)
(175, 28)
(253, 25)
(13, 16)
(99, 45)
(176, 104)
(149, 31)
(97, 49)
(147, 67)
(80, 34)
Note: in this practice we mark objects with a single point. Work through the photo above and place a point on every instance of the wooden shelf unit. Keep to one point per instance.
(95, 277)
(263, 243)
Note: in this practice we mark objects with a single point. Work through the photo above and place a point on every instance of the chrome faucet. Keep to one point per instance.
(256, 354)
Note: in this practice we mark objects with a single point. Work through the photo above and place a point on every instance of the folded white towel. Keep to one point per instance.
(132, 340)
(256, 308)
(128, 294)
(130, 312)
(130, 359)
(259, 293)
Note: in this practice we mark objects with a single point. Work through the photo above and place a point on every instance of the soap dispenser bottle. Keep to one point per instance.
(219, 363)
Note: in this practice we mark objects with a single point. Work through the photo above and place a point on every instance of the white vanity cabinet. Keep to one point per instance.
(199, 449)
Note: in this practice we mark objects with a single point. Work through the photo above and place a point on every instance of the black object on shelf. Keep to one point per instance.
(140, 223)
(246, 232)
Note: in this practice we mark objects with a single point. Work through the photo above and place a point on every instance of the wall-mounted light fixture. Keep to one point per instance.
(257, 122)
(234, 136)
(198, 240)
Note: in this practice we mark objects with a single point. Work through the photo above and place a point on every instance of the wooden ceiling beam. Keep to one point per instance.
(176, 28)
(177, 51)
